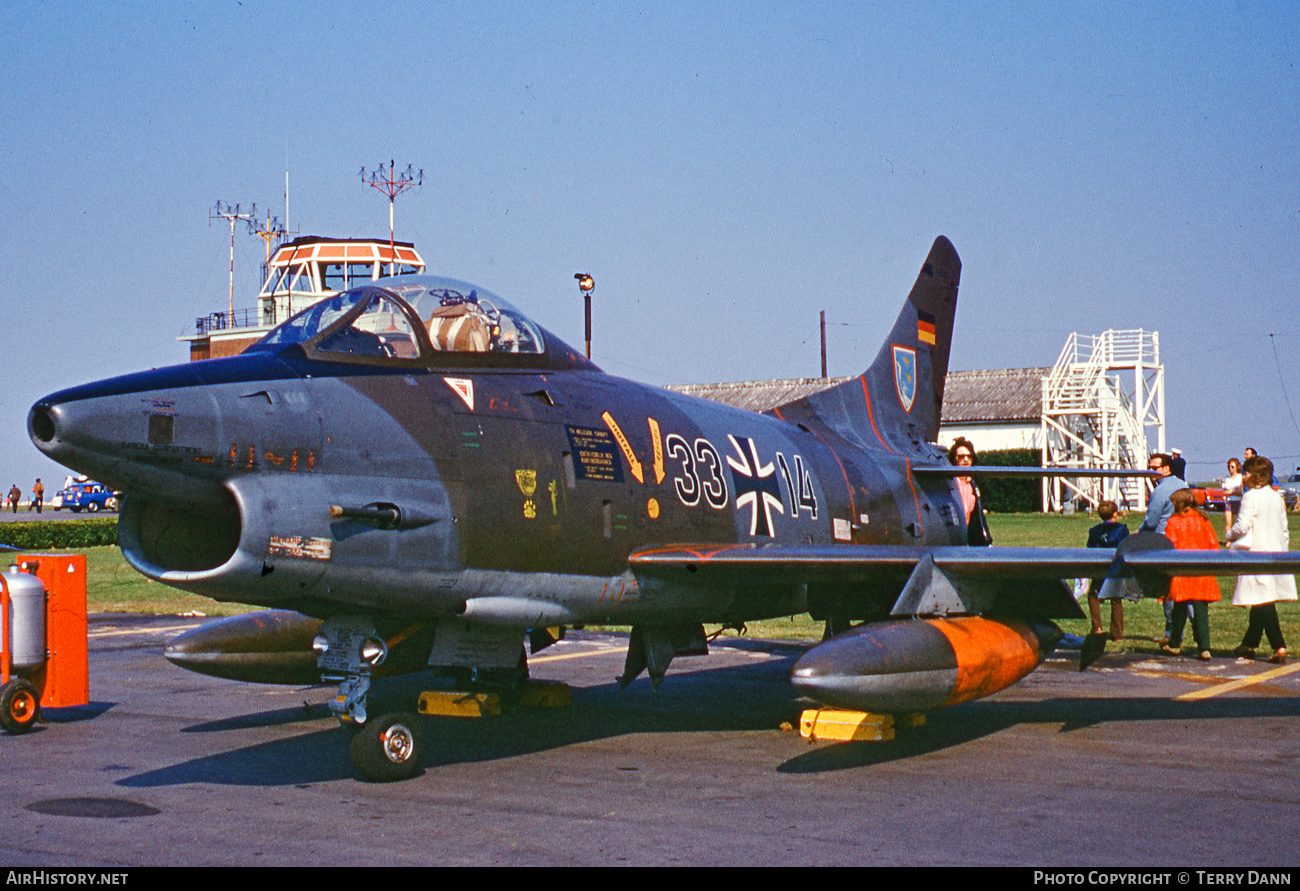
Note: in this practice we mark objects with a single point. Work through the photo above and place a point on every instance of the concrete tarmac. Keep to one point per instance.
(1113, 766)
(23, 515)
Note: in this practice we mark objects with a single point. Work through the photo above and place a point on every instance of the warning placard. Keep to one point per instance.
(595, 454)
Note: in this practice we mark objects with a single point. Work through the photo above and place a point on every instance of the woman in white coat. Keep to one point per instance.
(1261, 526)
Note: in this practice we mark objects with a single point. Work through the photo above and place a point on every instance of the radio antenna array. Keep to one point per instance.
(233, 215)
(392, 184)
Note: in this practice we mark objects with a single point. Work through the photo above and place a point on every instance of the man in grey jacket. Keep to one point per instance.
(1159, 510)
(1159, 507)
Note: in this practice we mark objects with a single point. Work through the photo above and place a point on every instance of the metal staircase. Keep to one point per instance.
(1103, 396)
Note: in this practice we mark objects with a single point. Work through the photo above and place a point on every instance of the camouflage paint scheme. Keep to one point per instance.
(455, 502)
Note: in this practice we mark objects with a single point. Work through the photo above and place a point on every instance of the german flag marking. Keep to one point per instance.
(925, 328)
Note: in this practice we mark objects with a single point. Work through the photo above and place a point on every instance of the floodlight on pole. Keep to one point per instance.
(392, 184)
(233, 215)
(586, 284)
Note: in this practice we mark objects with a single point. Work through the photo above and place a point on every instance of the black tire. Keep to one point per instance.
(20, 705)
(93, 507)
(387, 749)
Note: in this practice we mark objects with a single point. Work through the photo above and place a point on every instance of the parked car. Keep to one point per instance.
(1209, 497)
(1290, 490)
(1212, 497)
(90, 496)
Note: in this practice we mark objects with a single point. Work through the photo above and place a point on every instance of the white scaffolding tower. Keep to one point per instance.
(1101, 401)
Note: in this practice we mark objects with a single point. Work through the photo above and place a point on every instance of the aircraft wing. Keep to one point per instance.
(952, 580)
(992, 470)
(852, 564)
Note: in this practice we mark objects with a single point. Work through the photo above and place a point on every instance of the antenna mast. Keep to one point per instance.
(268, 231)
(392, 184)
(233, 215)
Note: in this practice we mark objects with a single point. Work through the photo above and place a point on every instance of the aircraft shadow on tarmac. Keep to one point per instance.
(729, 698)
(726, 698)
(966, 723)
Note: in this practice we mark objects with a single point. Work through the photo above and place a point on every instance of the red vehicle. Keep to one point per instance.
(1209, 497)
(1212, 497)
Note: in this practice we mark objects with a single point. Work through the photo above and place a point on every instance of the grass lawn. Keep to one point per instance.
(1145, 619)
(113, 586)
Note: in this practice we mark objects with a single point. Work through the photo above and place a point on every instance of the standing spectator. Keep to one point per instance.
(1177, 463)
(1231, 492)
(14, 494)
(962, 454)
(1189, 529)
(1159, 508)
(1261, 526)
(38, 495)
(1107, 534)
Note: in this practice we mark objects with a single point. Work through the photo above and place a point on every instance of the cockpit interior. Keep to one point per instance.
(421, 319)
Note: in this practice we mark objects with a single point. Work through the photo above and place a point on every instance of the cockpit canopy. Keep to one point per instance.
(422, 319)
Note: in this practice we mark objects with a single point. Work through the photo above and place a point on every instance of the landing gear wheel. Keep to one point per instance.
(387, 749)
(20, 705)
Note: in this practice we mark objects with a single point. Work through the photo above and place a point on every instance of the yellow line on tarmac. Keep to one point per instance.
(534, 660)
(153, 630)
(1229, 686)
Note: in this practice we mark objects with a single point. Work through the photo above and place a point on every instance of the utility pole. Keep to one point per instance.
(233, 215)
(823, 344)
(268, 231)
(392, 184)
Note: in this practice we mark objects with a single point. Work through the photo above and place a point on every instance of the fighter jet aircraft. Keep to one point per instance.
(415, 474)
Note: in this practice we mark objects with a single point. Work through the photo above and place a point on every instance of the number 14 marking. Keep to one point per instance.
(799, 485)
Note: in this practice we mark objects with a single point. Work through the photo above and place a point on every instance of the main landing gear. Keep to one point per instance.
(384, 749)
(387, 749)
(390, 747)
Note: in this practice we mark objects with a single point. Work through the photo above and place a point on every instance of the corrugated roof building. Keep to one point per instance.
(995, 409)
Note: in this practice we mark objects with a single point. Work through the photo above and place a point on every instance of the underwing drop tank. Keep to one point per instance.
(917, 665)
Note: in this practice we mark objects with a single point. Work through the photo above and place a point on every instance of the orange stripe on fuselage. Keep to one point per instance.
(871, 416)
(991, 654)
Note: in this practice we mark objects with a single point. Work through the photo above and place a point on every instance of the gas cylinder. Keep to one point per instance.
(25, 635)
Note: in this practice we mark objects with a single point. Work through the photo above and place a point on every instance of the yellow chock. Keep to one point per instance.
(837, 724)
(460, 705)
(914, 719)
(545, 694)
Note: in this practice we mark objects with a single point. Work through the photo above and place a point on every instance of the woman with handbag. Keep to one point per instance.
(1261, 526)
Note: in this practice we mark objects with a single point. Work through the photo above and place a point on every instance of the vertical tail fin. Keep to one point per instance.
(897, 401)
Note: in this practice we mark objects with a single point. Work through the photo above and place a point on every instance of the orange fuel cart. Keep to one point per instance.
(44, 651)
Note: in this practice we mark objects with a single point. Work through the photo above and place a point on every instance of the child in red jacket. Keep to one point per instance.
(1189, 529)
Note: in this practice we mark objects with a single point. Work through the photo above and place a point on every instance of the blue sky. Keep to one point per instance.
(724, 171)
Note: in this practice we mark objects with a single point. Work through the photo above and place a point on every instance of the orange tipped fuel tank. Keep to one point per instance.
(913, 665)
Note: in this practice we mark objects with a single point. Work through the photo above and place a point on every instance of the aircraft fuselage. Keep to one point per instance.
(531, 486)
